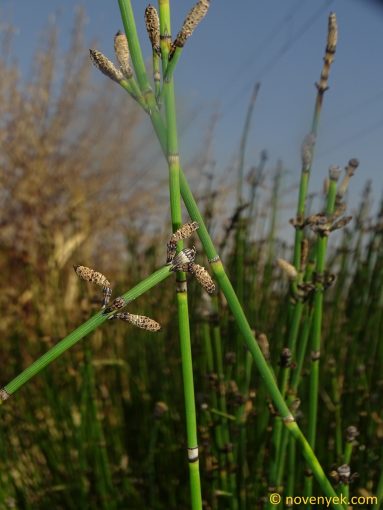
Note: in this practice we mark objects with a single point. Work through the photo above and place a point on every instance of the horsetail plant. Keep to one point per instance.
(351, 434)
(167, 135)
(323, 228)
(309, 142)
(123, 76)
(91, 324)
(307, 156)
(138, 63)
(216, 264)
(83, 330)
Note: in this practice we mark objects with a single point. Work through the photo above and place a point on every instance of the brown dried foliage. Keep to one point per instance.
(66, 159)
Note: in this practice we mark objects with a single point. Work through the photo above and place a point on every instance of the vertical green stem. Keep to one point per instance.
(182, 297)
(321, 248)
(229, 464)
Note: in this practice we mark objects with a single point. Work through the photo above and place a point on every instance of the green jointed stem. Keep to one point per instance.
(314, 464)
(96, 433)
(336, 395)
(223, 407)
(317, 319)
(304, 336)
(303, 188)
(136, 53)
(156, 74)
(218, 430)
(190, 408)
(316, 333)
(242, 149)
(307, 159)
(168, 76)
(165, 37)
(186, 356)
(291, 453)
(131, 86)
(348, 452)
(182, 296)
(82, 331)
(134, 45)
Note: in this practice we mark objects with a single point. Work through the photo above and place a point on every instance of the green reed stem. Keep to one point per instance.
(168, 75)
(156, 74)
(321, 249)
(131, 86)
(336, 393)
(297, 309)
(218, 428)
(95, 431)
(243, 143)
(136, 53)
(291, 455)
(217, 342)
(182, 296)
(83, 330)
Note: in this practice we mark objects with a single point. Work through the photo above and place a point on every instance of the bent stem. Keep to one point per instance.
(83, 330)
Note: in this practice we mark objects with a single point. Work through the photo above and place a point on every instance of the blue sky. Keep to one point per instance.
(277, 42)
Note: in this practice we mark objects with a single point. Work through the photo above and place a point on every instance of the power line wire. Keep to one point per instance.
(269, 38)
(350, 111)
(356, 136)
(282, 51)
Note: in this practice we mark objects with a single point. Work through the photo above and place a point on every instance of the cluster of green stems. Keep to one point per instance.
(166, 131)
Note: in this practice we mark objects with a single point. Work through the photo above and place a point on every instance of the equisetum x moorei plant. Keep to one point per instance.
(306, 274)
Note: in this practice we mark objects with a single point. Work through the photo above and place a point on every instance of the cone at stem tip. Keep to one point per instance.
(4, 395)
(105, 66)
(183, 232)
(288, 269)
(332, 35)
(195, 16)
(121, 50)
(202, 277)
(152, 24)
(141, 321)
